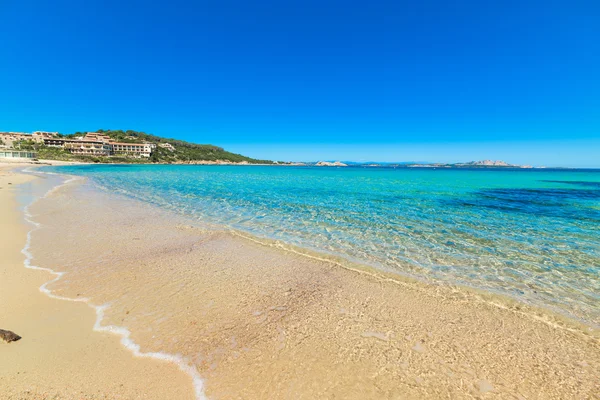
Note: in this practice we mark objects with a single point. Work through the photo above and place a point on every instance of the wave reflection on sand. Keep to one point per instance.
(123, 332)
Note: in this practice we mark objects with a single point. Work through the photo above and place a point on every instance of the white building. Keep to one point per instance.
(133, 149)
(16, 154)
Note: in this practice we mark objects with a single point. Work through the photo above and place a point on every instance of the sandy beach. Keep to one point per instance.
(256, 319)
(275, 200)
(59, 355)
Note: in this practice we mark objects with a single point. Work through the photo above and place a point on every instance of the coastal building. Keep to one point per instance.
(167, 146)
(12, 154)
(9, 139)
(39, 136)
(88, 147)
(133, 149)
(92, 144)
(55, 142)
(97, 137)
(80, 146)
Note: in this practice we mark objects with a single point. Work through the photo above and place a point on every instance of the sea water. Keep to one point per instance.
(533, 234)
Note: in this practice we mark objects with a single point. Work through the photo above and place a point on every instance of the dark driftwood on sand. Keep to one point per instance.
(9, 336)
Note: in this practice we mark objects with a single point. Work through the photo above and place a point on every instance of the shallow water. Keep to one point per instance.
(248, 319)
(530, 234)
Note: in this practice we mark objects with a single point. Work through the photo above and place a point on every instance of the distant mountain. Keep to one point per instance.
(471, 164)
(490, 163)
(331, 164)
(419, 164)
(384, 163)
(360, 163)
(486, 163)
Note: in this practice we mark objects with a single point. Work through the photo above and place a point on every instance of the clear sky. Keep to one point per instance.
(308, 80)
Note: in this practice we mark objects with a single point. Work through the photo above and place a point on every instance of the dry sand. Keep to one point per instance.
(60, 356)
(259, 322)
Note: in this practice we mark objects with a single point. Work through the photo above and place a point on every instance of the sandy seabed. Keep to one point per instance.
(252, 319)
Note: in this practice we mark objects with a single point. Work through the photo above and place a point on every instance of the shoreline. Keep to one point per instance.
(356, 277)
(545, 314)
(290, 164)
(61, 354)
(554, 315)
(551, 317)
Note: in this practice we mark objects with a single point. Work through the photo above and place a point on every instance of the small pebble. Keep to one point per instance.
(485, 386)
(418, 347)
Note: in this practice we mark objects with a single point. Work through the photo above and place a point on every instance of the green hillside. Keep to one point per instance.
(184, 151)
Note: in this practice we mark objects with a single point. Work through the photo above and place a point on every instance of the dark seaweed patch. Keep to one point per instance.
(580, 183)
(557, 203)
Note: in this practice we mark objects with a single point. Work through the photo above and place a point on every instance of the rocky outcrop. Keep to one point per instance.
(9, 336)
(331, 164)
(489, 163)
(210, 162)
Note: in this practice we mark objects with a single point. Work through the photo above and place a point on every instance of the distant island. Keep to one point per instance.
(331, 164)
(117, 146)
(471, 164)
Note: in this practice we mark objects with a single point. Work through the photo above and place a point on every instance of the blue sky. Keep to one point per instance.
(309, 80)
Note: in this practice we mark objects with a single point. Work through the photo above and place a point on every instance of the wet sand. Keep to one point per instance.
(60, 356)
(261, 322)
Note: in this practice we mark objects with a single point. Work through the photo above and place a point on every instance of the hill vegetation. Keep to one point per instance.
(184, 152)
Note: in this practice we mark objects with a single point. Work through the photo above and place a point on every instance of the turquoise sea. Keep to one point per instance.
(530, 234)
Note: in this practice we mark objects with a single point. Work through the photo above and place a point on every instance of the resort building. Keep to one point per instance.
(92, 144)
(167, 146)
(80, 146)
(88, 147)
(55, 142)
(39, 136)
(97, 137)
(9, 139)
(133, 149)
(17, 154)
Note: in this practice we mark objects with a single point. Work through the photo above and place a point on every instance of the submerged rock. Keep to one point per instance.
(9, 336)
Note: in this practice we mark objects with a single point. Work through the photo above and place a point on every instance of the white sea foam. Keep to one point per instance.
(123, 332)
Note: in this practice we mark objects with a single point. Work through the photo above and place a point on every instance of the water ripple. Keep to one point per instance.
(530, 234)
